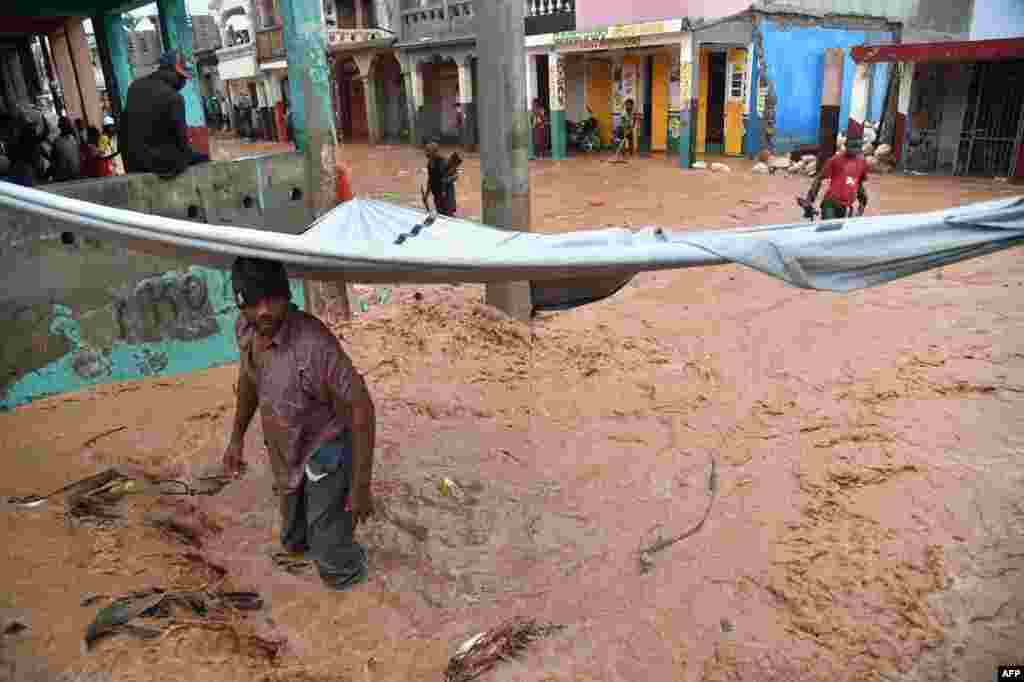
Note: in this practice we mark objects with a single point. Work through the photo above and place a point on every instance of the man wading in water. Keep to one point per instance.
(318, 421)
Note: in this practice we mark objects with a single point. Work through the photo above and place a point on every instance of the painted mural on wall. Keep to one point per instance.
(176, 322)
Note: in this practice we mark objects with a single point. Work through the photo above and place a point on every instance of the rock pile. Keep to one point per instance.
(878, 156)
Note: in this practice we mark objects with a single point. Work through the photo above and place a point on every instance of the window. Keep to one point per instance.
(738, 83)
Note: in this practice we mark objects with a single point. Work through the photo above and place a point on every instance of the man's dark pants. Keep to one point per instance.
(315, 518)
(831, 210)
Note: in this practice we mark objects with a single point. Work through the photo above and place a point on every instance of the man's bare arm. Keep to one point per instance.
(358, 409)
(247, 402)
(245, 409)
(862, 194)
(812, 193)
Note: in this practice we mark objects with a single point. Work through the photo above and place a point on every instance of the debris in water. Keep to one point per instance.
(157, 603)
(646, 554)
(484, 651)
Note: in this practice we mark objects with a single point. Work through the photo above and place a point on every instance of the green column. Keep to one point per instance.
(687, 103)
(556, 102)
(309, 80)
(176, 28)
(112, 39)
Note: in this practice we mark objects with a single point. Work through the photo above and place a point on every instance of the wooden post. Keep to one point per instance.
(504, 141)
(831, 99)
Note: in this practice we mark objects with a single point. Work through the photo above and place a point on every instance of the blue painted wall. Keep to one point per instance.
(795, 59)
(997, 19)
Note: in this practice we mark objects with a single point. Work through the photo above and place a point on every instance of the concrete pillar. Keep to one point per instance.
(466, 101)
(531, 94)
(412, 79)
(831, 100)
(504, 148)
(313, 121)
(902, 127)
(28, 66)
(372, 110)
(556, 103)
(859, 101)
(687, 102)
(176, 30)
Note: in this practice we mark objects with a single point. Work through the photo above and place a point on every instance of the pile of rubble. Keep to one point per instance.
(879, 158)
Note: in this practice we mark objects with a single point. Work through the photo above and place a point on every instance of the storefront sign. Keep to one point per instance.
(627, 35)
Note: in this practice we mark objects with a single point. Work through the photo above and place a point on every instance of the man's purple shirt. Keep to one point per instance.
(303, 367)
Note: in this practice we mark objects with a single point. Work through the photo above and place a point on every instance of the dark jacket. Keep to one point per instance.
(67, 158)
(153, 132)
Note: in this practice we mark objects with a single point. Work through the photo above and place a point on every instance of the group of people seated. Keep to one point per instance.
(32, 153)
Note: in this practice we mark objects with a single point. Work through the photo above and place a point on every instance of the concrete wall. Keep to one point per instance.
(794, 61)
(997, 19)
(592, 14)
(81, 311)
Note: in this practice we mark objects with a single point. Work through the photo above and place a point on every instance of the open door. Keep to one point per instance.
(599, 97)
(735, 97)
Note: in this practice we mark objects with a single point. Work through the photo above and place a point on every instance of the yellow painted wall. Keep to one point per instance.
(599, 97)
(659, 103)
(702, 107)
(735, 95)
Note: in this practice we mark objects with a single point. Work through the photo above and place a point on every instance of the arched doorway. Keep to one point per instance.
(351, 107)
(440, 96)
(391, 102)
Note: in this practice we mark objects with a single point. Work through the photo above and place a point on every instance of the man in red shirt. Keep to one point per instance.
(846, 174)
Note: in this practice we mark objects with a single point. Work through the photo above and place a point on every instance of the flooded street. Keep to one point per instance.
(860, 459)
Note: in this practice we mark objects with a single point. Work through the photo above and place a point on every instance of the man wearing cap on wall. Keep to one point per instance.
(846, 172)
(319, 423)
(153, 135)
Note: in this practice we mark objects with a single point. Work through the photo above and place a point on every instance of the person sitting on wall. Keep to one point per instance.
(67, 157)
(153, 131)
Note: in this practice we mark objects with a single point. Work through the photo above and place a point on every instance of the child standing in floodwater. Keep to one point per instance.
(440, 185)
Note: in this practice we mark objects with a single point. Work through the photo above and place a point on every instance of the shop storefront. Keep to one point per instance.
(583, 73)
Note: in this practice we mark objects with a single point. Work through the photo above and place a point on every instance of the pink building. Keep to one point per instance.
(597, 13)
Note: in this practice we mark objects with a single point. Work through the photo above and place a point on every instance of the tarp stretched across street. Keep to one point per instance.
(373, 241)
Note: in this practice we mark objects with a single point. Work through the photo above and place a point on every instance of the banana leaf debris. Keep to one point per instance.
(163, 611)
(483, 652)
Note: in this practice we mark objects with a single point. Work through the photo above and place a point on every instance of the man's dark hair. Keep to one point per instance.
(256, 278)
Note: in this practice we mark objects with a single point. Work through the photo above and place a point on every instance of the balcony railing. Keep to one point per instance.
(549, 16)
(457, 18)
(340, 38)
(270, 44)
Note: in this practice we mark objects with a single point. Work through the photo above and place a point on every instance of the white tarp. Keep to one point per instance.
(373, 241)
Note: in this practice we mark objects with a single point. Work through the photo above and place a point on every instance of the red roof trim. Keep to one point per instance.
(963, 51)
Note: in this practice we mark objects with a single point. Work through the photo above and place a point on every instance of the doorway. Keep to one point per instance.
(715, 136)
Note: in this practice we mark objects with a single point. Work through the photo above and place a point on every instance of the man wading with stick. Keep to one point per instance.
(318, 421)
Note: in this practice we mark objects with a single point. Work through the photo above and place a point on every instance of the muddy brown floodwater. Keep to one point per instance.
(868, 453)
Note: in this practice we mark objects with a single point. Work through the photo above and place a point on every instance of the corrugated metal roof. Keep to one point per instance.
(896, 10)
